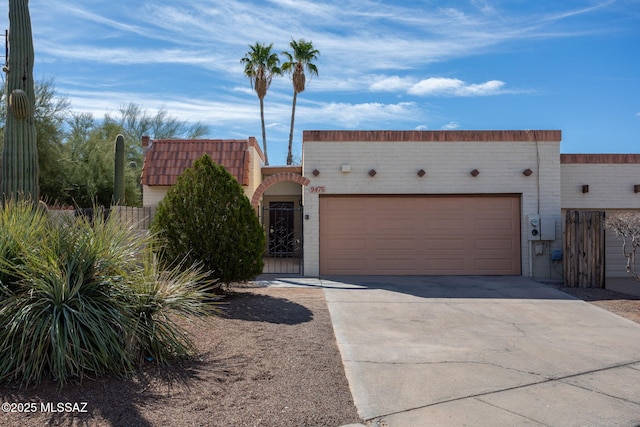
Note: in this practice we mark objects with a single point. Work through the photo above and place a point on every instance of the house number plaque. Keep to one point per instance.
(318, 189)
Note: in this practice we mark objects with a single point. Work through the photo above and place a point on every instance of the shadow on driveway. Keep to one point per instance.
(502, 287)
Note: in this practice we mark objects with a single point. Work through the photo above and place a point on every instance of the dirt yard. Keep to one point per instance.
(272, 360)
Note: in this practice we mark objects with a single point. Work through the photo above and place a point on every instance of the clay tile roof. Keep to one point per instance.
(166, 159)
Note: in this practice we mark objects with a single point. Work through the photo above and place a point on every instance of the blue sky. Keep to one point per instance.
(392, 64)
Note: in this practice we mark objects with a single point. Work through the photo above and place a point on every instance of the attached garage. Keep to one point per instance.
(420, 235)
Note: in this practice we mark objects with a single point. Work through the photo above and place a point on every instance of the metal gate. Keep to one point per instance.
(282, 222)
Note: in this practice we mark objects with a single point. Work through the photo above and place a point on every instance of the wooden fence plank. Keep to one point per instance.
(584, 249)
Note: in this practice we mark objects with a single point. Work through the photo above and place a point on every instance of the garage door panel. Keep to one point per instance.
(493, 264)
(347, 243)
(444, 244)
(395, 265)
(486, 225)
(493, 244)
(420, 235)
(406, 244)
(492, 205)
(445, 205)
(442, 224)
(395, 225)
(444, 265)
(345, 225)
(346, 265)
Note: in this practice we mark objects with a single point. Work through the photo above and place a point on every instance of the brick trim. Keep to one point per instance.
(432, 136)
(600, 158)
(274, 179)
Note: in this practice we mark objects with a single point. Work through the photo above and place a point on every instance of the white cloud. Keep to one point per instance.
(391, 84)
(451, 126)
(443, 86)
(353, 115)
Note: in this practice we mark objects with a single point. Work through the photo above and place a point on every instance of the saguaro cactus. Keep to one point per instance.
(118, 176)
(19, 177)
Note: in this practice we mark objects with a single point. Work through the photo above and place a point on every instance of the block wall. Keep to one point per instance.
(611, 186)
(447, 166)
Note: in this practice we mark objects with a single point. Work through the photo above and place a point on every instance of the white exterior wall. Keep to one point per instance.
(448, 166)
(610, 186)
(285, 188)
(152, 195)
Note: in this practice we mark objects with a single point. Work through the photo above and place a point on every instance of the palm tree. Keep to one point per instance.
(260, 65)
(302, 56)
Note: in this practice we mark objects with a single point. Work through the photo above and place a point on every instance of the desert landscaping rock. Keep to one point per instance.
(271, 360)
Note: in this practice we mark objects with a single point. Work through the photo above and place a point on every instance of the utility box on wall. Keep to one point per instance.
(541, 228)
(533, 227)
(547, 228)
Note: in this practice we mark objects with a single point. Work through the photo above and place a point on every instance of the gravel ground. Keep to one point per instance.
(272, 360)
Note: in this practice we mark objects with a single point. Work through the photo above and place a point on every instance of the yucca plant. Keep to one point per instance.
(160, 295)
(19, 223)
(83, 298)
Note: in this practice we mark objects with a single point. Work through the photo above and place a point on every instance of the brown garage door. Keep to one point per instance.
(420, 235)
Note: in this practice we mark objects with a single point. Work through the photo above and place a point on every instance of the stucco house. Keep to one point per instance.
(419, 202)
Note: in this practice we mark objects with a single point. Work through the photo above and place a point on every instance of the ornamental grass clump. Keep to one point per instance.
(73, 294)
(158, 295)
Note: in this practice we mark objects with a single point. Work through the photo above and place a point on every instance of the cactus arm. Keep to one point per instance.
(118, 177)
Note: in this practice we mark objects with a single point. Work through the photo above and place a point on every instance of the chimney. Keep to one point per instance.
(146, 144)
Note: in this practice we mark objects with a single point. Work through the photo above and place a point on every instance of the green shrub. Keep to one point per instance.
(160, 294)
(72, 299)
(206, 218)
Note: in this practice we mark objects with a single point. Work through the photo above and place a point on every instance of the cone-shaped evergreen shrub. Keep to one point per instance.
(206, 218)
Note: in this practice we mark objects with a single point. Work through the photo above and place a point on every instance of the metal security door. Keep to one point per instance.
(283, 224)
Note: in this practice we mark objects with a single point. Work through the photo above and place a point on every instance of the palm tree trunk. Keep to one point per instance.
(264, 133)
(293, 116)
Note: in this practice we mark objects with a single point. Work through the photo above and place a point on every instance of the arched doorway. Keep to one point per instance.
(278, 202)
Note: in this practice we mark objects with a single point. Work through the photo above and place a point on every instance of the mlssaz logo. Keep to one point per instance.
(63, 407)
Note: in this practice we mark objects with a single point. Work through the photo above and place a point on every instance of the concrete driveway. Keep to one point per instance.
(482, 351)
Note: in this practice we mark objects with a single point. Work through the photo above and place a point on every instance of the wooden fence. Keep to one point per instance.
(136, 218)
(584, 239)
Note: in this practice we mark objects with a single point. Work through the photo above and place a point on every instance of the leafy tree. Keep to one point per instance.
(206, 218)
(298, 60)
(52, 111)
(260, 66)
(133, 122)
(75, 150)
(627, 226)
(90, 150)
(91, 156)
